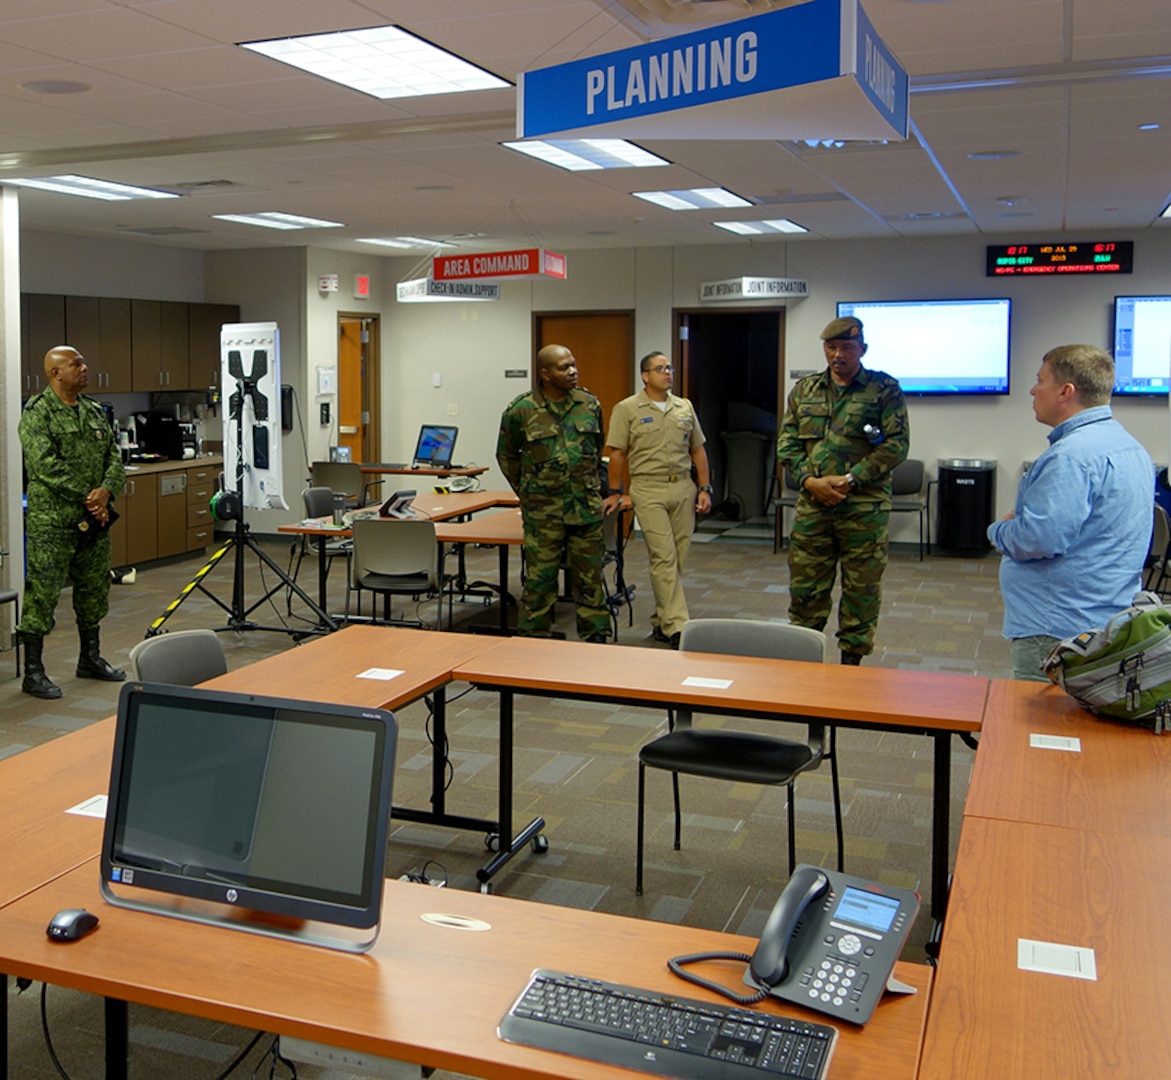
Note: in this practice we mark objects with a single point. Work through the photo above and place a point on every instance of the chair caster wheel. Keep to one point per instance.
(492, 841)
(539, 844)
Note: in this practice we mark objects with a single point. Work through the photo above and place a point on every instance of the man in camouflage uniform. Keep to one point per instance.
(844, 431)
(74, 468)
(550, 451)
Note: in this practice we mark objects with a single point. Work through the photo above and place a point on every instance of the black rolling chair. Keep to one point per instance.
(786, 499)
(737, 755)
(908, 491)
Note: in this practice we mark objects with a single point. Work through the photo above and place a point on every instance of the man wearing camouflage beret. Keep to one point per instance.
(845, 429)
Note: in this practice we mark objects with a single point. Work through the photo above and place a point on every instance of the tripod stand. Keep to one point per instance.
(239, 615)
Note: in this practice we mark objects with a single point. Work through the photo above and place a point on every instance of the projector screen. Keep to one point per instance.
(1142, 344)
(939, 347)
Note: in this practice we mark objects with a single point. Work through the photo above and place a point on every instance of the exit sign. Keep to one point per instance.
(361, 286)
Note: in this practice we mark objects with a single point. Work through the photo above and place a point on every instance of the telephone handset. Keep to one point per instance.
(830, 944)
(770, 963)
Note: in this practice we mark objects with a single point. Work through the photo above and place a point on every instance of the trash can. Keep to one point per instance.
(966, 505)
(748, 476)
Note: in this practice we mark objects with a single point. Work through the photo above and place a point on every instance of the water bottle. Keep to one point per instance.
(873, 434)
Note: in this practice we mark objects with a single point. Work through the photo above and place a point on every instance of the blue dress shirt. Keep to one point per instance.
(1075, 545)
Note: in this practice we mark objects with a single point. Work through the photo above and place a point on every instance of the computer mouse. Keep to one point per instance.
(70, 924)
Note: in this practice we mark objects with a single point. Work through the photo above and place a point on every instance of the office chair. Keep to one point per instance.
(1155, 569)
(786, 499)
(393, 558)
(181, 658)
(908, 483)
(12, 596)
(343, 476)
(614, 559)
(738, 755)
(319, 504)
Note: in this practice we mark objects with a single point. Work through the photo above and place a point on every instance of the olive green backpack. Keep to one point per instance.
(1123, 671)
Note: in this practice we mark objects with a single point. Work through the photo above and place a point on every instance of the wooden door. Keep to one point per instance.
(358, 386)
(603, 345)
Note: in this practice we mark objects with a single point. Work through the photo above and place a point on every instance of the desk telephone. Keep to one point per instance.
(830, 944)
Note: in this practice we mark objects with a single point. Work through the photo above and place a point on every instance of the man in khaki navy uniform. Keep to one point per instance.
(550, 451)
(74, 471)
(656, 435)
(844, 431)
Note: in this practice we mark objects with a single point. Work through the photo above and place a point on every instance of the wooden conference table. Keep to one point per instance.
(383, 468)
(1066, 847)
(927, 703)
(396, 1001)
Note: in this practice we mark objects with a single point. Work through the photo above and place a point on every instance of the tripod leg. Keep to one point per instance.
(156, 626)
(323, 617)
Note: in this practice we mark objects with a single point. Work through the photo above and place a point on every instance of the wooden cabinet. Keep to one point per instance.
(172, 513)
(134, 537)
(201, 482)
(99, 328)
(158, 345)
(204, 321)
(42, 326)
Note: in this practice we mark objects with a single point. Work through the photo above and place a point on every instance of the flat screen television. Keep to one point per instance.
(937, 347)
(1142, 344)
(257, 804)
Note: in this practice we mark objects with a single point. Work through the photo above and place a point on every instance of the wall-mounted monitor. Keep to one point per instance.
(1142, 344)
(251, 805)
(938, 347)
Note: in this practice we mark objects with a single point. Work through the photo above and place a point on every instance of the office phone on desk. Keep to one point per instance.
(830, 944)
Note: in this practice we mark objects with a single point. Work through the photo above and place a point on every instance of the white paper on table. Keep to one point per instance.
(94, 806)
(707, 684)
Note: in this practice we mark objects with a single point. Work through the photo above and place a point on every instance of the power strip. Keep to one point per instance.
(311, 1053)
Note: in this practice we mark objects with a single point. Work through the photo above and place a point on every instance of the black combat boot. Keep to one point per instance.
(36, 682)
(853, 659)
(90, 664)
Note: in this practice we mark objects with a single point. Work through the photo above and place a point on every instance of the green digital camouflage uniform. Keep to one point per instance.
(68, 451)
(551, 454)
(822, 436)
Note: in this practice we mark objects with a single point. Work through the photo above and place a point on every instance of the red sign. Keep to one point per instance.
(527, 262)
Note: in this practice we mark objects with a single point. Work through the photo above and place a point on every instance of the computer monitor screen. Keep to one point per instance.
(435, 446)
(1142, 344)
(938, 347)
(263, 803)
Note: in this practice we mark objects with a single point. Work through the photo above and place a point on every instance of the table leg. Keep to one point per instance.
(117, 1039)
(503, 563)
(322, 575)
(941, 825)
(509, 845)
(439, 753)
(4, 1031)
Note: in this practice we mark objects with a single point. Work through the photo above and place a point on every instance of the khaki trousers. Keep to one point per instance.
(666, 515)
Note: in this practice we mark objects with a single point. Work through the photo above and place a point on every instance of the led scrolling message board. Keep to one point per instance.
(1103, 257)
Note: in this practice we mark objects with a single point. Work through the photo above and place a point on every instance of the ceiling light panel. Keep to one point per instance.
(580, 154)
(274, 219)
(693, 199)
(405, 242)
(89, 188)
(761, 228)
(382, 61)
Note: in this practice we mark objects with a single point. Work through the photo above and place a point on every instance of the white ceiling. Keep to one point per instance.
(1063, 83)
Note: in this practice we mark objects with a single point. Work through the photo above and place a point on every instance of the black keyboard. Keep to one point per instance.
(664, 1034)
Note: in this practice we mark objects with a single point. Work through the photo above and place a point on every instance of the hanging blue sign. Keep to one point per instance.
(784, 74)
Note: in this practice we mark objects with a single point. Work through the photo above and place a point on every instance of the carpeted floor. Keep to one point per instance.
(575, 766)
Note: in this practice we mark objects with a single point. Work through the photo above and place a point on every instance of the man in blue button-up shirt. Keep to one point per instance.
(1075, 543)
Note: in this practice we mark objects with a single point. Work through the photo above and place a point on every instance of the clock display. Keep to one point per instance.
(1100, 257)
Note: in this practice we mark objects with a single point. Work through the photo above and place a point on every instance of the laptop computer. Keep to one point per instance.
(435, 446)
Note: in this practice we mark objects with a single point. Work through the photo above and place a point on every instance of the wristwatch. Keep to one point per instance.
(707, 488)
(852, 480)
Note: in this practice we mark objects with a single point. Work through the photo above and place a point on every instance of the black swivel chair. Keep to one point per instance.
(737, 755)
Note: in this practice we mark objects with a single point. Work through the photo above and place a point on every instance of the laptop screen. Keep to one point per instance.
(267, 804)
(435, 446)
